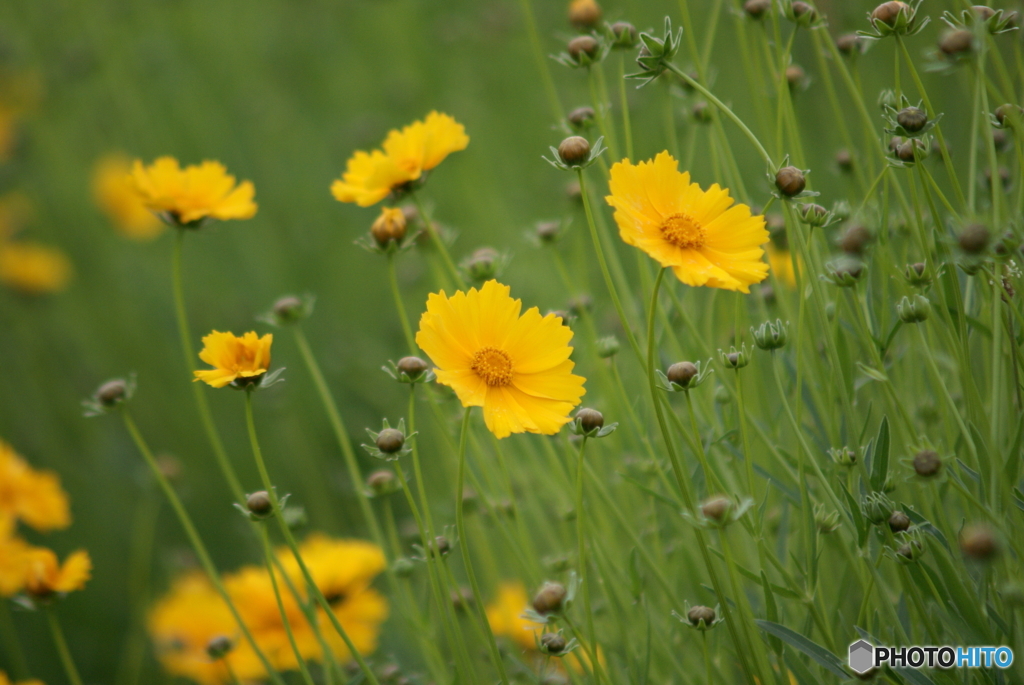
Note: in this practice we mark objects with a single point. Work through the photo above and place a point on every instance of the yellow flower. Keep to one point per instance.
(13, 559)
(252, 592)
(232, 357)
(4, 680)
(114, 192)
(45, 576)
(197, 192)
(700, 234)
(371, 176)
(35, 497)
(781, 263)
(182, 624)
(516, 367)
(33, 269)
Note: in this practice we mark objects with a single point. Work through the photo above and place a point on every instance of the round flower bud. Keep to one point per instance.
(553, 643)
(584, 14)
(583, 45)
(888, 12)
(698, 614)
(898, 522)
(716, 508)
(790, 181)
(573, 191)
(912, 119)
(441, 545)
(112, 392)
(625, 34)
(849, 43)
(608, 347)
(682, 373)
(1005, 114)
(259, 503)
(795, 75)
(956, 42)
(844, 160)
(383, 482)
(701, 112)
(483, 264)
(979, 542)
(218, 647)
(413, 367)
(390, 440)
(804, 12)
(289, 308)
(974, 239)
(756, 9)
(911, 150)
(547, 232)
(1000, 140)
(927, 463)
(813, 215)
(403, 567)
(982, 12)
(590, 419)
(574, 150)
(581, 117)
(550, 599)
(910, 551)
(389, 226)
(855, 239)
(462, 598)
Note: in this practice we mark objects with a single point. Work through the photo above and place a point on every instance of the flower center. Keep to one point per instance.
(683, 231)
(493, 365)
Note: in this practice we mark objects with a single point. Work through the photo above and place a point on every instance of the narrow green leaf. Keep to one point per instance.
(880, 457)
(747, 573)
(872, 372)
(772, 610)
(1014, 458)
(824, 658)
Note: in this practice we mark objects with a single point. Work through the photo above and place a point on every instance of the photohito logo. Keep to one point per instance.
(864, 656)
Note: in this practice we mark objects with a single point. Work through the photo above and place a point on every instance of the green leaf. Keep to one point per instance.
(872, 372)
(772, 610)
(858, 518)
(747, 573)
(1014, 458)
(880, 458)
(824, 658)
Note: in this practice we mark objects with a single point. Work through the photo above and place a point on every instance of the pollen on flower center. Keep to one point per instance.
(683, 231)
(493, 365)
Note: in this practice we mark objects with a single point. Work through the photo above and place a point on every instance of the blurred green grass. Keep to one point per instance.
(281, 92)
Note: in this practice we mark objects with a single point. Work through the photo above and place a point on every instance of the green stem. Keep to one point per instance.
(268, 554)
(582, 544)
(627, 126)
(62, 647)
(12, 645)
(542, 62)
(396, 292)
(437, 242)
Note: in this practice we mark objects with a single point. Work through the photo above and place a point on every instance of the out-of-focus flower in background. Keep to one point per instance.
(115, 193)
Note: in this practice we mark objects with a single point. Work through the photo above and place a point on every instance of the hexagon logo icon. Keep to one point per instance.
(862, 656)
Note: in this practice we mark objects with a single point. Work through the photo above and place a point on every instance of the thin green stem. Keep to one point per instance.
(268, 554)
(12, 645)
(581, 540)
(396, 292)
(627, 127)
(62, 647)
(542, 63)
(437, 243)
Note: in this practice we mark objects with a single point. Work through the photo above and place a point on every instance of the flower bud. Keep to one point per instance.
(790, 181)
(701, 112)
(219, 647)
(483, 264)
(813, 215)
(716, 508)
(462, 598)
(701, 614)
(888, 12)
(390, 440)
(910, 151)
(259, 503)
(804, 13)
(383, 482)
(770, 335)
(877, 508)
(978, 542)
(289, 308)
(927, 463)
(795, 75)
(827, 522)
(756, 9)
(910, 551)
(441, 546)
(956, 42)
(849, 44)
(413, 367)
(112, 392)
(574, 150)
(682, 373)
(552, 643)
(625, 34)
(547, 232)
(917, 275)
(843, 456)
(912, 119)
(581, 117)
(608, 347)
(583, 48)
(844, 160)
(914, 310)
(590, 419)
(584, 14)
(898, 522)
(550, 599)
(389, 226)
(403, 567)
(974, 239)
(855, 239)
(1008, 114)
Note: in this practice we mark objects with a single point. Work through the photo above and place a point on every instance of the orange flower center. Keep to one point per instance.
(493, 365)
(683, 231)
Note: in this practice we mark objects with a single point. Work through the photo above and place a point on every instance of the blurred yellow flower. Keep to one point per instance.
(701, 235)
(33, 269)
(199, 191)
(13, 559)
(4, 680)
(35, 497)
(115, 193)
(45, 576)
(781, 263)
(419, 147)
(247, 357)
(516, 367)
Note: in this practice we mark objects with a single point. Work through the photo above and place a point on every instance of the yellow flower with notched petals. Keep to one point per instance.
(197, 192)
(46, 576)
(417, 148)
(34, 497)
(701, 235)
(114, 191)
(34, 269)
(516, 367)
(233, 357)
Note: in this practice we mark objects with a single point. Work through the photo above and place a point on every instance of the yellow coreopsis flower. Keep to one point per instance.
(35, 497)
(33, 269)
(114, 191)
(46, 576)
(781, 263)
(408, 153)
(701, 235)
(516, 367)
(243, 359)
(197, 192)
